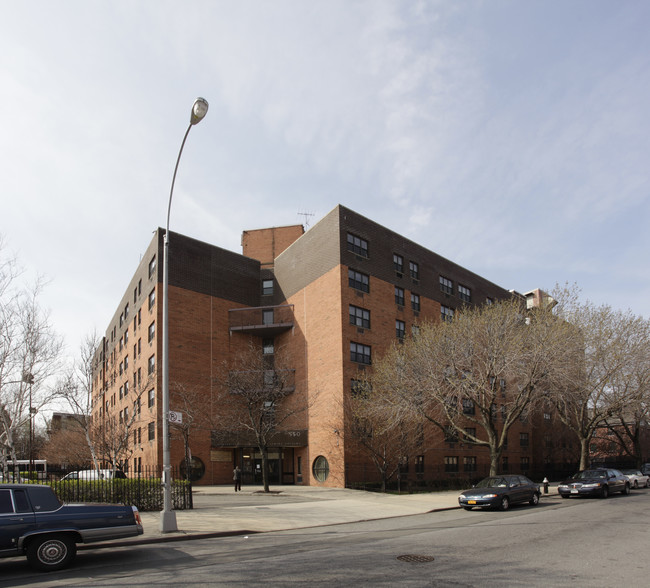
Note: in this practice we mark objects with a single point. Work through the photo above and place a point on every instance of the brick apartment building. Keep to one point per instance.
(335, 296)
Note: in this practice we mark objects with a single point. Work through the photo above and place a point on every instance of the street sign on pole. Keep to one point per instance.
(176, 417)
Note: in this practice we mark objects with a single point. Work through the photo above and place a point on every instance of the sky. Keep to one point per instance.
(511, 137)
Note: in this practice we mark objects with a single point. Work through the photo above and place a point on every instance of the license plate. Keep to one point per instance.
(471, 502)
(574, 492)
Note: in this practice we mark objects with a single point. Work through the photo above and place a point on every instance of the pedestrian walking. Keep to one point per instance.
(236, 476)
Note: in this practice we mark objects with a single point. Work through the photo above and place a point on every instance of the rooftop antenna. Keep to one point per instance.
(306, 215)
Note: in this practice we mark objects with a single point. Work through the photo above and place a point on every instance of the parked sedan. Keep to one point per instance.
(34, 523)
(637, 479)
(595, 482)
(500, 492)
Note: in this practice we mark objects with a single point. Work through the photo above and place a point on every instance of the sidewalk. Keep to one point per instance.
(220, 511)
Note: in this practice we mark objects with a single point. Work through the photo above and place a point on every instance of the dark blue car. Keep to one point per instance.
(34, 523)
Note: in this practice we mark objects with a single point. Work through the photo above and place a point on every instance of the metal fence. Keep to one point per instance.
(142, 489)
(441, 478)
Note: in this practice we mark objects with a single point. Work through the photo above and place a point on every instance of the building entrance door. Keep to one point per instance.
(251, 465)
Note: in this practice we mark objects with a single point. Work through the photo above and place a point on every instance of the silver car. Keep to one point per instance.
(637, 479)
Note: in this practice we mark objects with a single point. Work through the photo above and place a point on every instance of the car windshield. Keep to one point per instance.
(590, 474)
(492, 483)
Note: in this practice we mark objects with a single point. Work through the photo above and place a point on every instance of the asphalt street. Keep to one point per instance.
(560, 542)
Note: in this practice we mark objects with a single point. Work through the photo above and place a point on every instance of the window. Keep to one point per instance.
(399, 296)
(152, 298)
(357, 387)
(451, 463)
(400, 329)
(152, 365)
(504, 464)
(398, 263)
(152, 398)
(470, 434)
(468, 406)
(358, 281)
(359, 317)
(267, 287)
(451, 435)
(489, 301)
(126, 363)
(446, 313)
(152, 431)
(357, 245)
(360, 353)
(321, 468)
(446, 285)
(268, 346)
(126, 388)
(126, 336)
(419, 464)
(121, 392)
(414, 269)
(267, 317)
(126, 310)
(152, 331)
(525, 464)
(469, 463)
(523, 439)
(152, 267)
(464, 293)
(415, 302)
(547, 416)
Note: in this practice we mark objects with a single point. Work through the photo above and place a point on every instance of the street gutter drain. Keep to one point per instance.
(416, 558)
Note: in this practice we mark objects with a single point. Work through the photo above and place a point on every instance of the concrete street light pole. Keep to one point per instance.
(168, 515)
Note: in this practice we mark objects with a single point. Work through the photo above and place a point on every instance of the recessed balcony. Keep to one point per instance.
(264, 321)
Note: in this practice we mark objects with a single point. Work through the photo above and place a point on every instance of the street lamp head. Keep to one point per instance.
(199, 110)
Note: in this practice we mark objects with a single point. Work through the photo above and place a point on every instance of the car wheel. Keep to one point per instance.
(604, 492)
(51, 552)
(647, 484)
(505, 503)
(467, 507)
(534, 501)
(626, 490)
(564, 495)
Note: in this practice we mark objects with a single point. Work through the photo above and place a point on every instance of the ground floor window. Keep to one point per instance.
(469, 463)
(197, 469)
(321, 468)
(451, 463)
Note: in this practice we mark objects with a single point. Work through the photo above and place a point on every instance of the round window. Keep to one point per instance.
(197, 469)
(321, 468)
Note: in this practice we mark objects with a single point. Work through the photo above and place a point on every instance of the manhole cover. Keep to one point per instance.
(416, 558)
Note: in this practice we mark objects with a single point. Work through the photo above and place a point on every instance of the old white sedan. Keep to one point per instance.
(637, 479)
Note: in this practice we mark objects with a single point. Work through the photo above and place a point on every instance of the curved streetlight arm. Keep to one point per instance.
(171, 191)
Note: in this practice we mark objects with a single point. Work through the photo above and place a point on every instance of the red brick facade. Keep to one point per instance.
(310, 303)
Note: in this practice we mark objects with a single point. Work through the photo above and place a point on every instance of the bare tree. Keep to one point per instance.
(76, 390)
(67, 447)
(600, 380)
(475, 376)
(29, 353)
(192, 402)
(256, 400)
(388, 443)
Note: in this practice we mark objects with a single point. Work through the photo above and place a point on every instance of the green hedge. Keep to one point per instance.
(145, 493)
